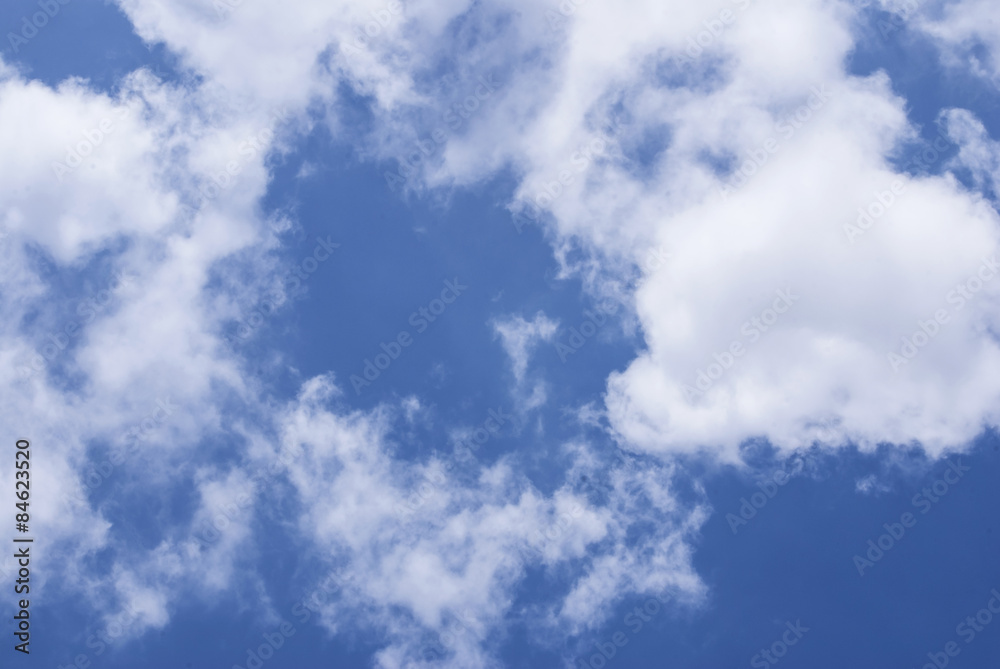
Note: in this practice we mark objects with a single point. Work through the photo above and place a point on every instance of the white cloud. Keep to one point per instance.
(870, 485)
(416, 538)
(959, 27)
(519, 337)
(823, 371)
(571, 110)
(118, 386)
(977, 151)
(824, 363)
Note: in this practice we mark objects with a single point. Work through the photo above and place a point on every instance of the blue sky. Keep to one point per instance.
(588, 436)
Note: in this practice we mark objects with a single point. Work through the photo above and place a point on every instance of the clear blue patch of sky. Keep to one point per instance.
(84, 38)
(794, 561)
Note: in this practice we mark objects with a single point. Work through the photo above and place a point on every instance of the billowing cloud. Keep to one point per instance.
(431, 552)
(144, 204)
(813, 293)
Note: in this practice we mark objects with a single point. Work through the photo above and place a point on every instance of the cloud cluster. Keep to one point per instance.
(418, 571)
(750, 161)
(966, 33)
(120, 275)
(755, 166)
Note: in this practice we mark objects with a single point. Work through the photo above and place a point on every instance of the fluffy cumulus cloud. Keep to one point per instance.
(151, 196)
(815, 292)
(812, 292)
(123, 197)
(431, 552)
(829, 300)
